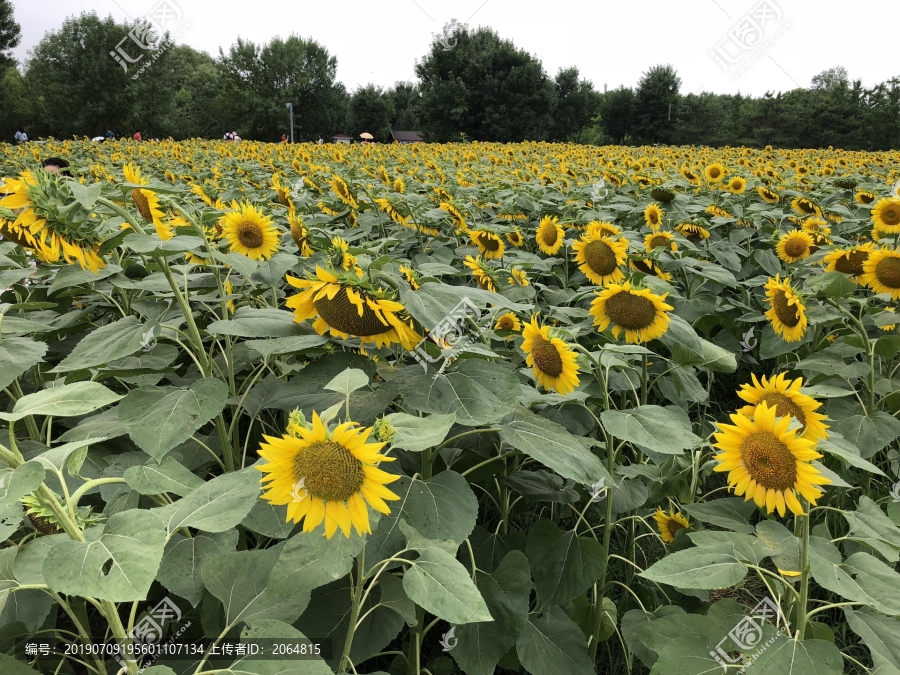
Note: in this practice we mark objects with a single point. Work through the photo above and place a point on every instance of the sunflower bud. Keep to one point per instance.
(384, 430)
(296, 421)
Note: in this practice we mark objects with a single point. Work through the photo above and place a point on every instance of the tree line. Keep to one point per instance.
(482, 88)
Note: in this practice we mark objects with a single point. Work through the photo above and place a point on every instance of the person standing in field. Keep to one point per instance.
(21, 137)
(137, 136)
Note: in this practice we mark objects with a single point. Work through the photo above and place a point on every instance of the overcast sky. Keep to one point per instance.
(723, 46)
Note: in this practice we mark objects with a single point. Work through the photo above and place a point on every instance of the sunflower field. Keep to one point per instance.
(433, 409)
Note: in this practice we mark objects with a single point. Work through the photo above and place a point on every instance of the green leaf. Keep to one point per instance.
(394, 597)
(86, 194)
(160, 418)
(816, 657)
(869, 525)
(713, 357)
(269, 628)
(257, 323)
(73, 275)
(145, 243)
(415, 434)
(846, 451)
(680, 332)
(768, 261)
(564, 566)
(168, 476)
(10, 519)
(861, 578)
(18, 354)
(69, 400)
(633, 623)
(554, 447)
(697, 569)
(240, 580)
(117, 562)
(776, 536)
(743, 547)
(12, 666)
(244, 265)
(309, 560)
(434, 301)
(479, 392)
(110, 342)
(880, 634)
(185, 557)
(732, 513)
(439, 584)
(691, 655)
(15, 484)
(217, 505)
(665, 430)
(832, 285)
(348, 381)
(552, 644)
(269, 520)
(771, 345)
(482, 644)
(285, 345)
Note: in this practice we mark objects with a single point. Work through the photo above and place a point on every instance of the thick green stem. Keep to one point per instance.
(804, 575)
(597, 616)
(354, 610)
(415, 644)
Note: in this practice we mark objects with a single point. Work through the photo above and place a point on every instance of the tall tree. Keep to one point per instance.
(261, 80)
(617, 114)
(10, 35)
(483, 87)
(656, 105)
(372, 111)
(405, 96)
(576, 104)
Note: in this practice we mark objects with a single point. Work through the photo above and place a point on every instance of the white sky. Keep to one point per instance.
(610, 42)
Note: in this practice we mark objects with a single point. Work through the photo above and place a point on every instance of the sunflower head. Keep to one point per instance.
(249, 231)
(736, 185)
(848, 260)
(886, 215)
(600, 228)
(551, 360)
(767, 462)
(881, 272)
(638, 312)
(795, 245)
(329, 476)
(518, 277)
(600, 257)
(787, 399)
(549, 235)
(864, 197)
(508, 321)
(515, 238)
(806, 207)
(714, 173)
(669, 524)
(656, 240)
(769, 195)
(489, 244)
(662, 194)
(787, 311)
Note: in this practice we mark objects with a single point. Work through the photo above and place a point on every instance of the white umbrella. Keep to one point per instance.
(366, 135)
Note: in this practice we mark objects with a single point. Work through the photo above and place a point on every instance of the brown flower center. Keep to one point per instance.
(549, 235)
(329, 471)
(866, 198)
(488, 242)
(769, 461)
(343, 315)
(546, 356)
(632, 312)
(249, 234)
(888, 272)
(796, 247)
(659, 240)
(890, 215)
(506, 323)
(673, 526)
(852, 262)
(143, 206)
(600, 257)
(789, 315)
(784, 406)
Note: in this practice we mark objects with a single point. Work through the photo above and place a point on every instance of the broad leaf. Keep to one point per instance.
(415, 434)
(439, 584)
(168, 476)
(309, 560)
(69, 400)
(552, 644)
(185, 557)
(107, 343)
(15, 484)
(18, 354)
(664, 430)
(217, 505)
(697, 568)
(564, 566)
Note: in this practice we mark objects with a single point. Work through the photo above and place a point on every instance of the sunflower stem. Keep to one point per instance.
(802, 616)
(354, 610)
(597, 615)
(644, 379)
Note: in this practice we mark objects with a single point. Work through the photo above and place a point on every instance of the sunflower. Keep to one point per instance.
(399, 185)
(660, 240)
(515, 238)
(805, 207)
(489, 244)
(342, 190)
(549, 235)
(347, 309)
(641, 313)
(891, 326)
(848, 261)
(794, 246)
(690, 175)
(484, 275)
(458, 220)
(767, 462)
(693, 232)
(599, 258)
(785, 396)
(518, 277)
(649, 267)
(653, 216)
(551, 360)
(146, 202)
(299, 234)
(787, 312)
(768, 195)
(327, 476)
(249, 232)
(669, 524)
(717, 211)
(864, 197)
(392, 211)
(600, 228)
(411, 276)
(736, 185)
(881, 272)
(886, 216)
(714, 172)
(508, 321)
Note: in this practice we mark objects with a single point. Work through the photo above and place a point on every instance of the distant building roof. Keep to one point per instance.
(407, 136)
(341, 136)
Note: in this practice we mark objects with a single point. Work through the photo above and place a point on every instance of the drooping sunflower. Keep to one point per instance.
(767, 462)
(886, 216)
(299, 234)
(714, 173)
(146, 202)
(864, 197)
(736, 185)
(717, 211)
(328, 476)
(806, 207)
(881, 272)
(392, 211)
(249, 231)
(411, 276)
(787, 399)
(794, 246)
(660, 240)
(600, 258)
(489, 244)
(549, 235)
(848, 260)
(483, 274)
(690, 175)
(768, 195)
(890, 326)
(649, 267)
(653, 216)
(399, 185)
(641, 313)
(787, 312)
(458, 219)
(693, 232)
(669, 524)
(344, 193)
(518, 277)
(515, 238)
(346, 308)
(551, 360)
(508, 321)
(600, 228)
